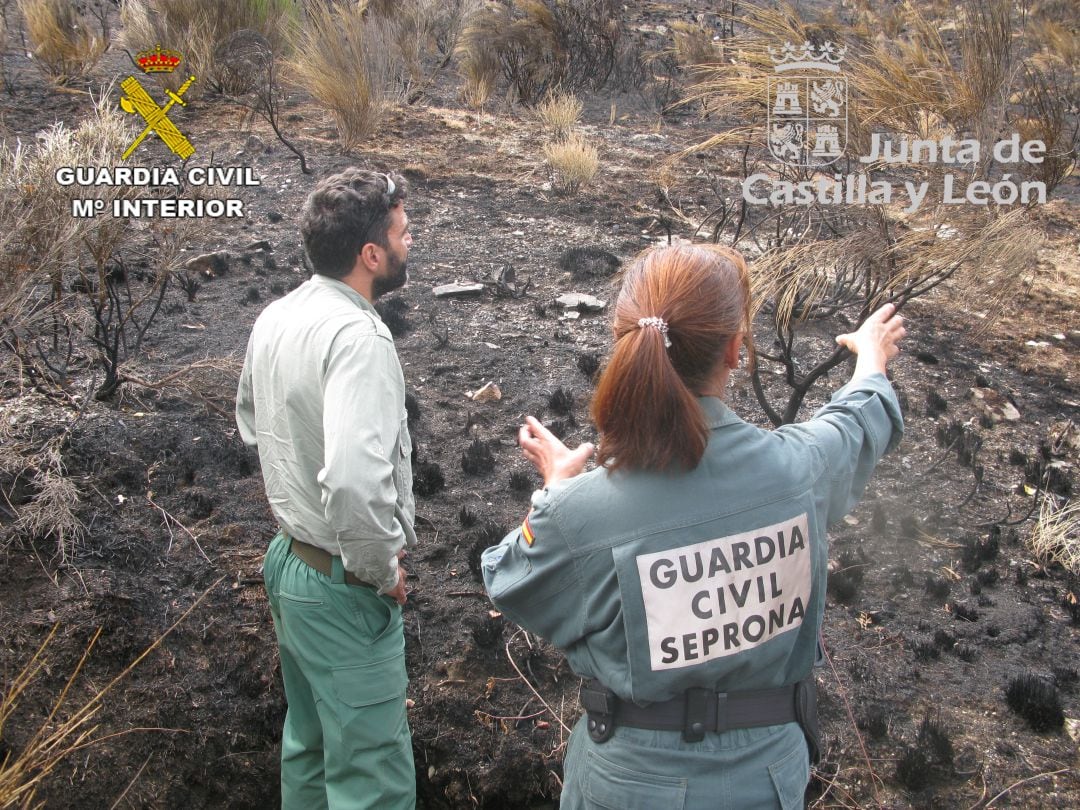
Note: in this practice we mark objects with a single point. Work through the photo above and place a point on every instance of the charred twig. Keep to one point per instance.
(525, 680)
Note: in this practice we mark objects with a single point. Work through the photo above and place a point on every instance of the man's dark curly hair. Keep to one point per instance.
(344, 213)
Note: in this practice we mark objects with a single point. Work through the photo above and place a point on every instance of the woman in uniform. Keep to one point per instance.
(684, 577)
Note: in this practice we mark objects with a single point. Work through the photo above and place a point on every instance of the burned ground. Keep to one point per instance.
(949, 646)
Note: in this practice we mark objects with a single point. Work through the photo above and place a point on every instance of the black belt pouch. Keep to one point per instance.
(806, 714)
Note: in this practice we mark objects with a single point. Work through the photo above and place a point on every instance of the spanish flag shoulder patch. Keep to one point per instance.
(527, 532)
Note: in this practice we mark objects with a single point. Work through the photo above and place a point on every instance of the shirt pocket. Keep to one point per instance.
(790, 777)
(402, 461)
(614, 787)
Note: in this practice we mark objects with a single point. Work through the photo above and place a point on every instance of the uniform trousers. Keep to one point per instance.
(765, 768)
(346, 743)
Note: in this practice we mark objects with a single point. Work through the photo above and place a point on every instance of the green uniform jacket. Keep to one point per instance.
(714, 578)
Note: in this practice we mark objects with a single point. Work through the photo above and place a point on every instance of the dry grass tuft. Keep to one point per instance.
(1056, 536)
(575, 162)
(343, 58)
(559, 113)
(65, 730)
(62, 41)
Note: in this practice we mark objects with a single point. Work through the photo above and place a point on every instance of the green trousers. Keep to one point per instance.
(346, 743)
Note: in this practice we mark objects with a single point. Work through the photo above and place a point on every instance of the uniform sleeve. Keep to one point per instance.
(245, 400)
(532, 577)
(363, 398)
(859, 425)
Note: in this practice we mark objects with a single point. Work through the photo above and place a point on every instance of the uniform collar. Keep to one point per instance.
(717, 414)
(344, 289)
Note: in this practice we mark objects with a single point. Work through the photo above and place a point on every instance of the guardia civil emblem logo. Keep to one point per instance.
(807, 112)
(138, 101)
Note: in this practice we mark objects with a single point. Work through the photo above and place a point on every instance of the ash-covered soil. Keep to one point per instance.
(936, 602)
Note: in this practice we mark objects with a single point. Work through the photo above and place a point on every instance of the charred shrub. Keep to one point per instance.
(561, 402)
(982, 549)
(924, 648)
(937, 587)
(412, 410)
(961, 438)
(944, 639)
(486, 535)
(875, 722)
(488, 631)
(589, 262)
(520, 482)
(428, 478)
(477, 458)
(964, 612)
(588, 363)
(467, 517)
(913, 770)
(1036, 701)
(935, 403)
(845, 581)
(967, 652)
(934, 740)
(393, 311)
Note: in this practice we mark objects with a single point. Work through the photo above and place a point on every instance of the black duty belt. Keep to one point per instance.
(698, 710)
(322, 561)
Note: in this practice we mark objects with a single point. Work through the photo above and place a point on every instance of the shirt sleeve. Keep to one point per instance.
(859, 425)
(363, 400)
(245, 401)
(532, 577)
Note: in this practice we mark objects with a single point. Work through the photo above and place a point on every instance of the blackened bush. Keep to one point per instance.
(467, 517)
(488, 631)
(586, 262)
(588, 364)
(913, 770)
(875, 722)
(412, 410)
(937, 587)
(392, 311)
(1036, 701)
(935, 742)
(477, 458)
(487, 534)
(428, 478)
(924, 648)
(520, 482)
(561, 402)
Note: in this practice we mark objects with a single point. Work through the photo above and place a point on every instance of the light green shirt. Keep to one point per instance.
(323, 398)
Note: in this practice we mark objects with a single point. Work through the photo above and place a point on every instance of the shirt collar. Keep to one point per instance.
(344, 289)
(717, 414)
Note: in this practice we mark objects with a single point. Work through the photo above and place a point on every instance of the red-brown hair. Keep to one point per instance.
(645, 404)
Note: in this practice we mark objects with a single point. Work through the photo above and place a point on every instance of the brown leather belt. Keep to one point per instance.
(322, 561)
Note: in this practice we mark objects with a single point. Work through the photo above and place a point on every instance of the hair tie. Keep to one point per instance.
(390, 186)
(659, 324)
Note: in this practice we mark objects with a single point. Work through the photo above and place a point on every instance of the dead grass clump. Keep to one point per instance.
(1056, 536)
(197, 29)
(538, 45)
(693, 47)
(344, 60)
(559, 113)
(63, 43)
(575, 162)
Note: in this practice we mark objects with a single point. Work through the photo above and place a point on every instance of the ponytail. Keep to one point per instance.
(695, 299)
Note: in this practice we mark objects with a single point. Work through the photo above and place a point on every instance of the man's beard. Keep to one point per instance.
(397, 273)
